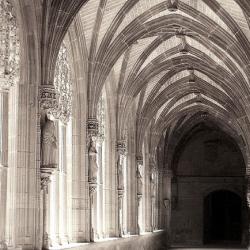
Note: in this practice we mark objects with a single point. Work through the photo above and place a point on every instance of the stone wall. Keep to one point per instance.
(187, 218)
(208, 161)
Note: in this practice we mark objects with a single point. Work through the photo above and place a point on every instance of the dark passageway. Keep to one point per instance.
(222, 217)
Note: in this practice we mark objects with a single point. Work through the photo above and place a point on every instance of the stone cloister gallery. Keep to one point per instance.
(124, 124)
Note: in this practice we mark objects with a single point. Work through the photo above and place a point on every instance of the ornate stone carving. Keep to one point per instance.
(120, 176)
(56, 97)
(121, 147)
(139, 160)
(92, 127)
(92, 188)
(101, 118)
(49, 99)
(45, 177)
(63, 84)
(139, 197)
(9, 46)
(139, 180)
(120, 193)
(93, 167)
(153, 181)
(48, 145)
(45, 182)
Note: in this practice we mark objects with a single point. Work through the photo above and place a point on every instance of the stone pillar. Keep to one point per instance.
(45, 180)
(99, 147)
(248, 207)
(92, 131)
(167, 201)
(121, 151)
(48, 164)
(3, 158)
(153, 195)
(139, 164)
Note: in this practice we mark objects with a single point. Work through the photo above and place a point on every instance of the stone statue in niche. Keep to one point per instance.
(93, 168)
(139, 181)
(120, 172)
(153, 182)
(48, 144)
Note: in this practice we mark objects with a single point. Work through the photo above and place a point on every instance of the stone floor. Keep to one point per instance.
(151, 241)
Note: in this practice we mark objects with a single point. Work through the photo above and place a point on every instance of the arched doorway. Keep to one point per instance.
(222, 218)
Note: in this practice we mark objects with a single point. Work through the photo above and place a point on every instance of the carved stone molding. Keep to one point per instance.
(49, 99)
(46, 173)
(121, 147)
(139, 180)
(139, 197)
(120, 193)
(92, 127)
(9, 46)
(92, 188)
(139, 160)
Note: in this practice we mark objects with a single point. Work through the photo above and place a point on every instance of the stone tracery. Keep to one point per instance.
(9, 46)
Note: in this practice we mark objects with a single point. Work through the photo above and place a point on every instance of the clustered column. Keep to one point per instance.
(3, 158)
(48, 164)
(153, 194)
(121, 151)
(139, 164)
(248, 203)
(92, 131)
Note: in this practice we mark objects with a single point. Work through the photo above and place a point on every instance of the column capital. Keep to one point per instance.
(121, 147)
(49, 99)
(139, 197)
(92, 126)
(46, 173)
(139, 160)
(120, 193)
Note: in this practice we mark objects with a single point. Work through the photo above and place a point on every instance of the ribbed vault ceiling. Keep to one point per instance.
(176, 56)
